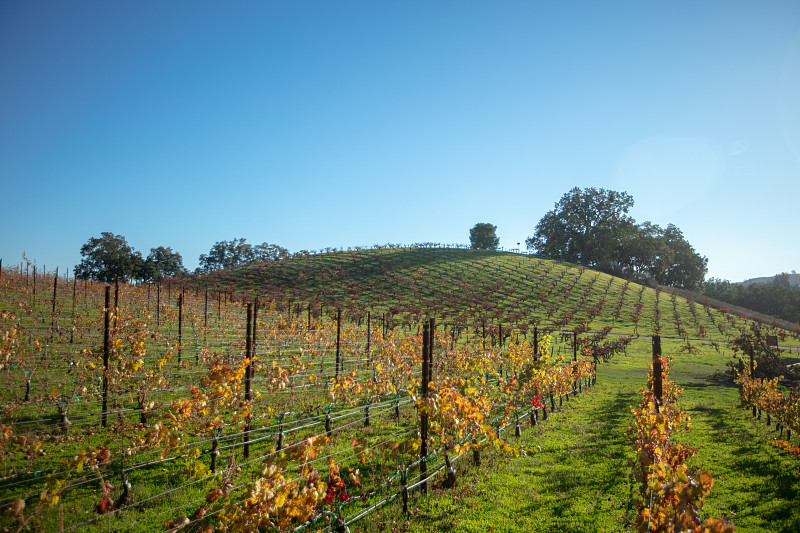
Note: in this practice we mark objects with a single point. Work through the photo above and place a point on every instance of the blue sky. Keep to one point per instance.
(335, 124)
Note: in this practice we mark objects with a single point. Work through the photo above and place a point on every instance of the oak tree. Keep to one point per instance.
(483, 236)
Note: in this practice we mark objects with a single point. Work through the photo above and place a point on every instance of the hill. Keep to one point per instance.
(794, 280)
(472, 288)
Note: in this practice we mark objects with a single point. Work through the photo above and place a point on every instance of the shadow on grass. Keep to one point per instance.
(781, 491)
(601, 452)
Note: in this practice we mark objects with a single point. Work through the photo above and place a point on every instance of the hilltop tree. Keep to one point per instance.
(238, 252)
(160, 263)
(269, 252)
(108, 258)
(591, 227)
(679, 265)
(483, 236)
(586, 227)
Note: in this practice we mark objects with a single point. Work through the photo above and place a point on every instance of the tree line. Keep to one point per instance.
(776, 298)
(110, 257)
(589, 227)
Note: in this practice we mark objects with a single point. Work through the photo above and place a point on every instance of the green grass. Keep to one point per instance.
(580, 480)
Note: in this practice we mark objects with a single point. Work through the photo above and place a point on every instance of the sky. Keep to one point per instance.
(321, 124)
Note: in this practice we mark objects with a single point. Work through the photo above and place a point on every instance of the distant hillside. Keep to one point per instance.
(779, 297)
(794, 280)
(480, 290)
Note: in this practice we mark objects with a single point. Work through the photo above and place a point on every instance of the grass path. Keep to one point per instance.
(757, 485)
(580, 480)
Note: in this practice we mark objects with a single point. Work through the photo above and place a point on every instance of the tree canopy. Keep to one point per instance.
(483, 236)
(586, 227)
(592, 227)
(238, 252)
(161, 263)
(110, 257)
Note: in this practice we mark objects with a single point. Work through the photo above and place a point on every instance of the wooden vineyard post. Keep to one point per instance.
(205, 312)
(535, 343)
(574, 345)
(309, 316)
(431, 339)
(116, 304)
(338, 337)
(180, 327)
(255, 335)
(423, 419)
(657, 385)
(369, 355)
(74, 294)
(752, 361)
(34, 287)
(158, 305)
(404, 490)
(248, 372)
(106, 353)
(574, 360)
(219, 307)
(53, 314)
(500, 345)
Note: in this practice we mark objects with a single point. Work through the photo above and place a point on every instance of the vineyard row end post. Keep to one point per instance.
(106, 353)
(248, 394)
(657, 384)
(423, 449)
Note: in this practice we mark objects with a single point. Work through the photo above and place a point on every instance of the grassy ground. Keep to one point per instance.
(580, 480)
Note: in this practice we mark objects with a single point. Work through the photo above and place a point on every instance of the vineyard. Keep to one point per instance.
(332, 391)
(473, 287)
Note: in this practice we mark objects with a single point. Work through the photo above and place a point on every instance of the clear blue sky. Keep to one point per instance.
(335, 124)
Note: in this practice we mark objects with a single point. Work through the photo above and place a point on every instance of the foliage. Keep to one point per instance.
(766, 395)
(161, 263)
(752, 343)
(777, 298)
(238, 252)
(672, 494)
(586, 227)
(108, 258)
(666, 256)
(485, 378)
(483, 236)
(591, 227)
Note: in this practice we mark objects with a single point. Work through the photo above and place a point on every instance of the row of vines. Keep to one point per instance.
(177, 409)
